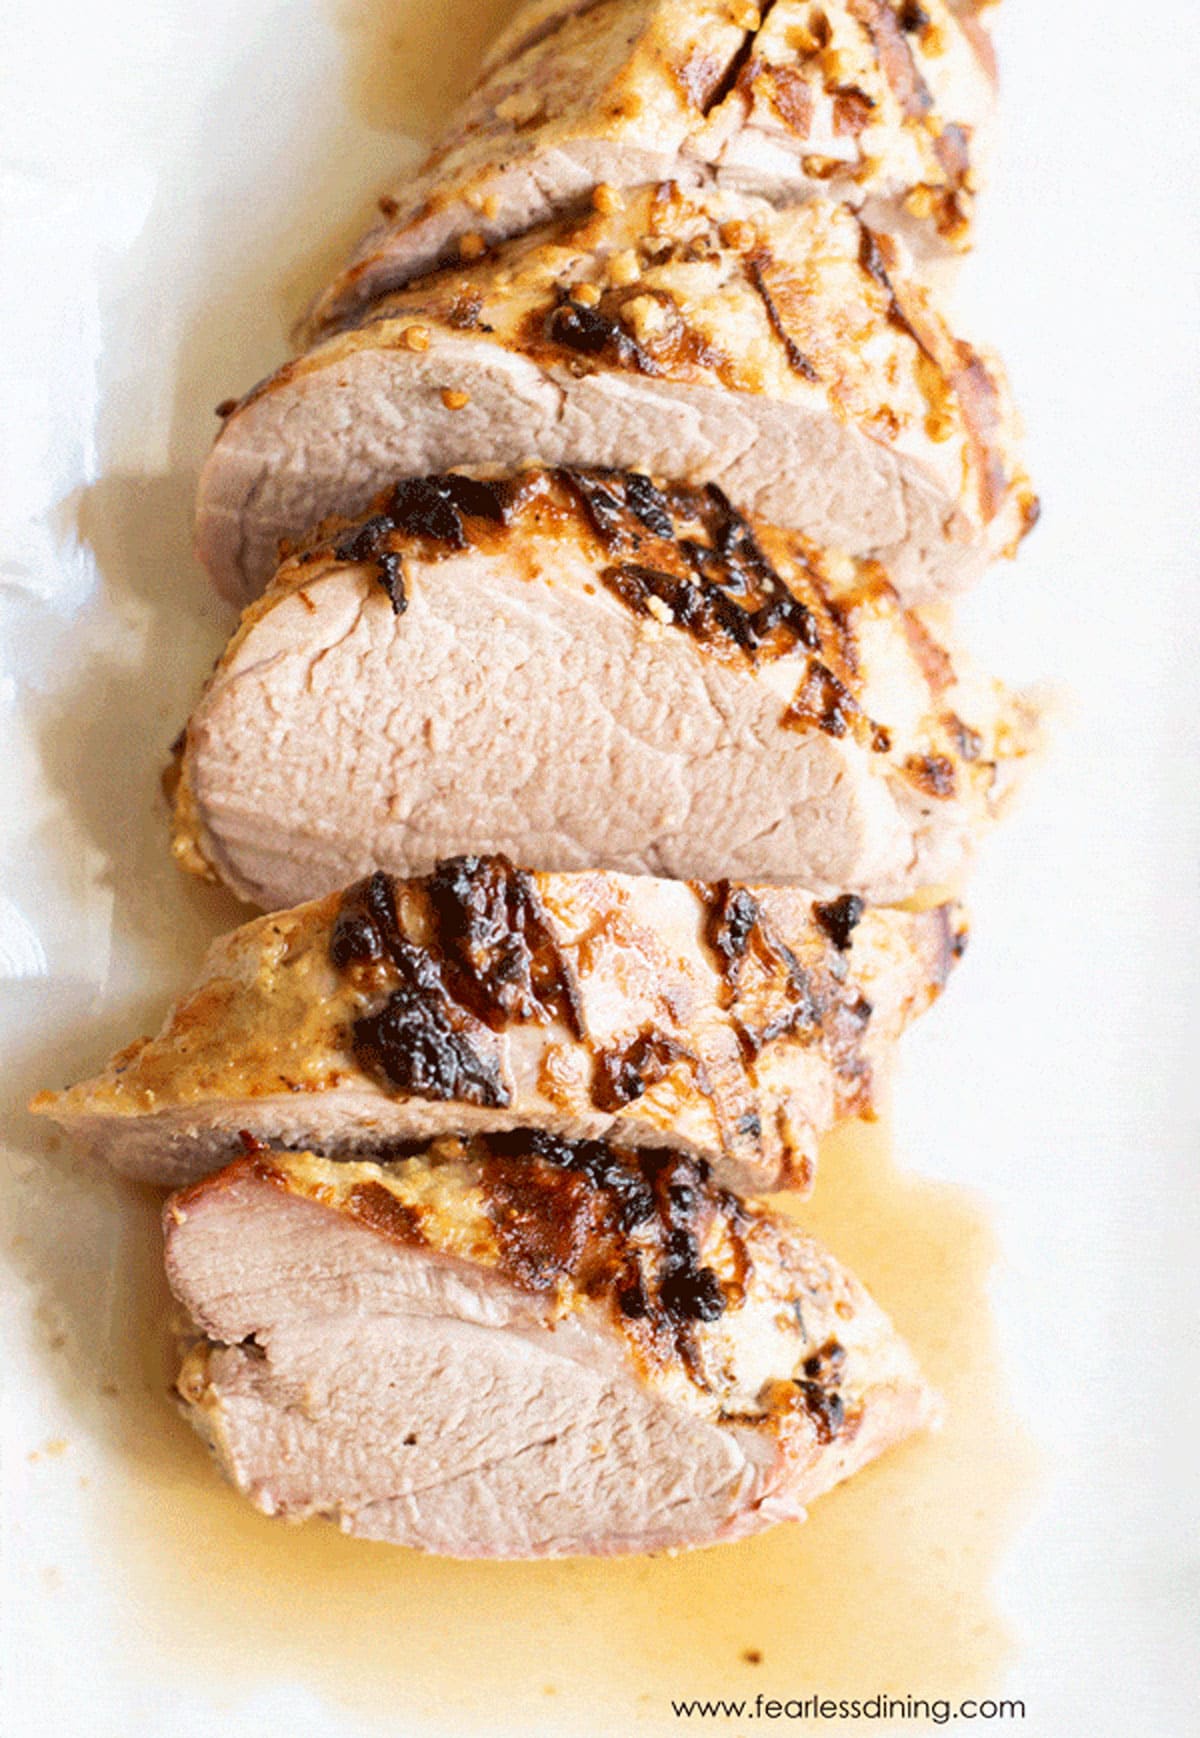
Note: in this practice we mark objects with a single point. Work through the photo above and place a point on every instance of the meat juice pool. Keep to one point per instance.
(884, 1588)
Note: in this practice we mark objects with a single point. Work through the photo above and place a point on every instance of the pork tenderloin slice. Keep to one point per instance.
(734, 1023)
(587, 670)
(876, 103)
(782, 355)
(491, 1352)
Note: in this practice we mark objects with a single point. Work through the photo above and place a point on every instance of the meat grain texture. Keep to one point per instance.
(730, 1022)
(583, 669)
(880, 104)
(784, 356)
(491, 1352)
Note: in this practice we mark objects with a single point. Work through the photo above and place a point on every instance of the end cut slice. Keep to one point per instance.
(496, 1351)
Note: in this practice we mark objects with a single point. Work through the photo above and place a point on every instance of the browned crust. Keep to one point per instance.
(683, 78)
(648, 1240)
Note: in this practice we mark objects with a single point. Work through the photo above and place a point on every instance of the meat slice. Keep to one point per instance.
(735, 1023)
(876, 102)
(780, 355)
(587, 670)
(504, 1350)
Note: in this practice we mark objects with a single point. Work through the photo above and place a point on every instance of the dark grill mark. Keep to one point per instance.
(432, 509)
(592, 331)
(615, 1170)
(418, 1040)
(366, 930)
(728, 82)
(870, 258)
(798, 362)
(827, 1410)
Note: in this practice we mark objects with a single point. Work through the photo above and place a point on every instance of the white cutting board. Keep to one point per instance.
(175, 176)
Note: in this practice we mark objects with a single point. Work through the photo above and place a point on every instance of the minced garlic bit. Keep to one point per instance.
(607, 199)
(838, 68)
(918, 201)
(472, 245)
(453, 399)
(744, 15)
(415, 337)
(520, 106)
(624, 268)
(660, 610)
(587, 295)
(737, 234)
(645, 317)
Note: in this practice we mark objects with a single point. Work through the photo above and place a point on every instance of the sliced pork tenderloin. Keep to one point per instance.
(735, 1023)
(586, 670)
(516, 1349)
(877, 102)
(780, 355)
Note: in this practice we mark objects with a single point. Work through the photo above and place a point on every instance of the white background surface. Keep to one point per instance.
(172, 174)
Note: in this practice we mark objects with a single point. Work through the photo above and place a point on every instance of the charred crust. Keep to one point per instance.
(817, 1389)
(492, 960)
(379, 1208)
(419, 1040)
(547, 1221)
(729, 924)
(622, 1075)
(826, 1408)
(494, 934)
(616, 1224)
(368, 544)
(415, 1043)
(595, 332)
(615, 1171)
(366, 931)
(690, 560)
(839, 918)
(433, 512)
(824, 702)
